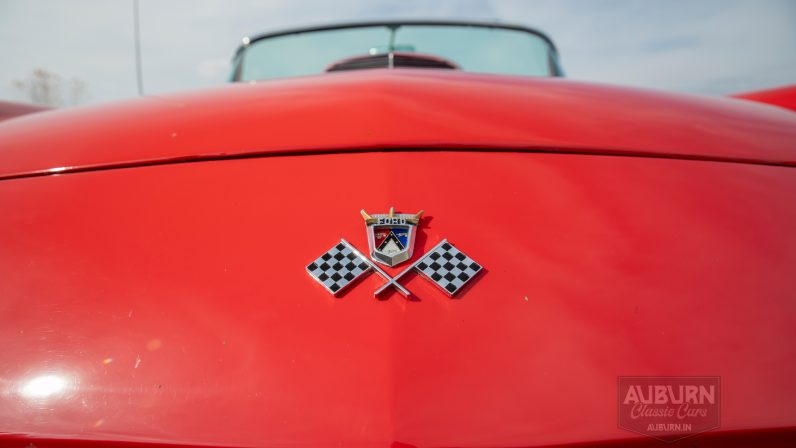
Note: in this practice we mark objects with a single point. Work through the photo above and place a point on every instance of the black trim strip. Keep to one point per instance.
(258, 155)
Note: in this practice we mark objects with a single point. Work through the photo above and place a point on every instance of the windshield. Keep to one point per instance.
(475, 48)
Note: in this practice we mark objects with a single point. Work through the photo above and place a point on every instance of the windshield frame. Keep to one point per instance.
(555, 66)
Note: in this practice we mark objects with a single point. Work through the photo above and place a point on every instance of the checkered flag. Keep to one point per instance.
(338, 267)
(447, 267)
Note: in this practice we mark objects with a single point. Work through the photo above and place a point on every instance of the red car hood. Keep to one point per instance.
(397, 109)
(169, 302)
(172, 301)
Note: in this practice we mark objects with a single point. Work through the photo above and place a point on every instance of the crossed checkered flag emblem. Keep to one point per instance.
(444, 265)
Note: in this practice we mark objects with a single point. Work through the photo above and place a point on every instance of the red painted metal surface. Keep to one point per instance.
(172, 301)
(782, 96)
(398, 109)
(10, 110)
(169, 303)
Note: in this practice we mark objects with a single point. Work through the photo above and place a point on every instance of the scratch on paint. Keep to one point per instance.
(137, 361)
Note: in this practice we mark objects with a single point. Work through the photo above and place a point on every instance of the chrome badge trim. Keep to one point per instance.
(444, 265)
(391, 236)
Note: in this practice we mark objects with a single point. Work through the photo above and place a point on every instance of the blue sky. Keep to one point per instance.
(712, 47)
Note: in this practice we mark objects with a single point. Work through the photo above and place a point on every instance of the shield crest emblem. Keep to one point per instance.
(391, 236)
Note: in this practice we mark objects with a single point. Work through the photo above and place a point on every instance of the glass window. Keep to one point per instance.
(472, 48)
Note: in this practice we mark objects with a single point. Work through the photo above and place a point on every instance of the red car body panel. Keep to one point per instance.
(398, 109)
(10, 110)
(782, 96)
(173, 302)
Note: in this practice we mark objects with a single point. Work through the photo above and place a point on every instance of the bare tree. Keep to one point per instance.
(48, 88)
